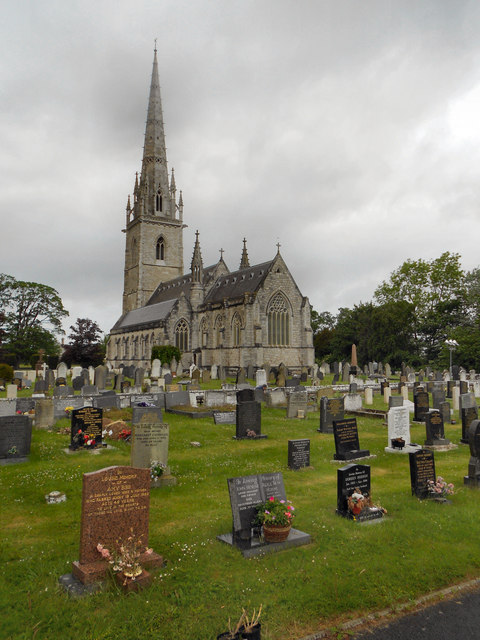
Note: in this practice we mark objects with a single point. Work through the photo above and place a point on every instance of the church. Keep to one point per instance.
(251, 316)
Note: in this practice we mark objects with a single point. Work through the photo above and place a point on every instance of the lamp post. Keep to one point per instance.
(451, 345)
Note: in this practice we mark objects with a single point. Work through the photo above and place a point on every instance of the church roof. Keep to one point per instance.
(145, 315)
(174, 288)
(237, 283)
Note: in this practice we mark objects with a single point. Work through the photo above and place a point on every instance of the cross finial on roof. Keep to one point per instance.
(278, 247)
(155, 46)
(221, 253)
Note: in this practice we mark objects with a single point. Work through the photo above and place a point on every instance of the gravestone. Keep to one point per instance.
(115, 505)
(155, 372)
(473, 478)
(118, 380)
(298, 454)
(445, 411)
(248, 416)
(91, 375)
(62, 370)
(368, 396)
(463, 387)
(106, 401)
(395, 401)
(15, 438)
(241, 378)
(50, 378)
(89, 390)
(138, 412)
(85, 421)
(78, 383)
(176, 399)
(399, 429)
(8, 407)
(469, 414)
(467, 400)
(335, 378)
(225, 417)
(206, 376)
(296, 401)
(139, 376)
(60, 404)
(100, 376)
(352, 402)
(168, 378)
(438, 396)
(44, 416)
(347, 446)
(388, 371)
(330, 409)
(260, 377)
(150, 443)
(421, 406)
(12, 391)
(422, 469)
(435, 429)
(276, 398)
(214, 372)
(351, 478)
(250, 372)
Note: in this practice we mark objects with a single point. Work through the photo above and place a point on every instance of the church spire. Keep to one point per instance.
(244, 263)
(197, 262)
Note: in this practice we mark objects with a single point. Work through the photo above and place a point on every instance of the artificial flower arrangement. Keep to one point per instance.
(125, 434)
(84, 439)
(274, 512)
(358, 501)
(440, 488)
(156, 469)
(68, 411)
(125, 559)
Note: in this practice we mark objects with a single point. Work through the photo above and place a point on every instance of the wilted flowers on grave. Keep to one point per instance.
(274, 512)
(440, 488)
(156, 469)
(125, 557)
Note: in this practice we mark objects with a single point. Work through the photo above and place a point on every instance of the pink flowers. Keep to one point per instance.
(272, 499)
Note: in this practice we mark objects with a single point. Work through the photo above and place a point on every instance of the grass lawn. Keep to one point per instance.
(348, 570)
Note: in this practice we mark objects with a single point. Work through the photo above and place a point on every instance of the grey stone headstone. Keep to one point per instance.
(100, 376)
(298, 453)
(44, 417)
(395, 401)
(62, 370)
(61, 392)
(15, 437)
(176, 398)
(150, 442)
(89, 390)
(296, 401)
(78, 383)
(152, 412)
(468, 415)
(60, 404)
(352, 402)
(106, 401)
(139, 376)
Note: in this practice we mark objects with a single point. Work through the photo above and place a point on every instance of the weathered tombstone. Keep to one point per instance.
(78, 383)
(260, 378)
(335, 378)
(473, 478)
(435, 429)
(76, 371)
(351, 478)
(368, 396)
(100, 376)
(169, 379)
(125, 386)
(115, 505)
(224, 417)
(298, 454)
(395, 401)
(222, 373)
(297, 402)
(50, 378)
(179, 371)
(346, 372)
(399, 431)
(241, 378)
(89, 390)
(91, 374)
(206, 376)
(248, 418)
(150, 444)
(438, 396)
(420, 401)
(463, 387)
(467, 400)
(44, 416)
(138, 412)
(214, 372)
(139, 376)
(352, 402)
(250, 373)
(61, 392)
(12, 391)
(445, 411)
(155, 372)
(276, 398)
(86, 422)
(15, 438)
(388, 371)
(281, 376)
(422, 469)
(469, 414)
(330, 409)
(352, 388)
(62, 370)
(347, 446)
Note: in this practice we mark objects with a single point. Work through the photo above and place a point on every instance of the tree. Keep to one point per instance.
(165, 353)
(33, 314)
(436, 291)
(323, 327)
(85, 347)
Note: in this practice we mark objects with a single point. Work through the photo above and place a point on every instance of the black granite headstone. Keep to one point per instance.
(421, 406)
(350, 478)
(469, 414)
(422, 469)
(473, 478)
(15, 437)
(347, 446)
(435, 429)
(88, 420)
(298, 453)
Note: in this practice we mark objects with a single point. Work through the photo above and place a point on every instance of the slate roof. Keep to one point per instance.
(174, 288)
(237, 283)
(144, 316)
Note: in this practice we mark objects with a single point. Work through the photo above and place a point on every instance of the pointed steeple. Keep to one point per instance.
(244, 263)
(197, 262)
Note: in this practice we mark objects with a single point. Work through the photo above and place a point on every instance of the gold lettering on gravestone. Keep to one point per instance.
(425, 469)
(347, 433)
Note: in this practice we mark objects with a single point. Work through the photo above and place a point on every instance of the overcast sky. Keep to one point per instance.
(346, 130)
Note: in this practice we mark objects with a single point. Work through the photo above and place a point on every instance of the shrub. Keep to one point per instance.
(166, 353)
(6, 372)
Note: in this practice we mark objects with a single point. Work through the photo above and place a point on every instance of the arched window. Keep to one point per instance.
(160, 249)
(219, 330)
(278, 321)
(181, 335)
(236, 326)
(158, 201)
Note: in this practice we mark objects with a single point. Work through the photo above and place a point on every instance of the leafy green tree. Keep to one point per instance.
(166, 353)
(323, 327)
(436, 291)
(86, 347)
(33, 314)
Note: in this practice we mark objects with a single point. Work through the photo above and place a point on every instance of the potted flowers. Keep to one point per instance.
(125, 561)
(439, 490)
(275, 516)
(156, 470)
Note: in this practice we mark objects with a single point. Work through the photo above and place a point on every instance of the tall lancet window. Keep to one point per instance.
(160, 249)
(158, 201)
(236, 326)
(181, 335)
(278, 321)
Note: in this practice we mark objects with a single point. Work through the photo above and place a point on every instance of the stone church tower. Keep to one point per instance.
(154, 223)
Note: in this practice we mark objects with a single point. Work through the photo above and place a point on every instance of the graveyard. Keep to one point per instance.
(345, 570)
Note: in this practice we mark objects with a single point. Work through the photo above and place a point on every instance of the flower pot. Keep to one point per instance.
(253, 634)
(276, 533)
(128, 584)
